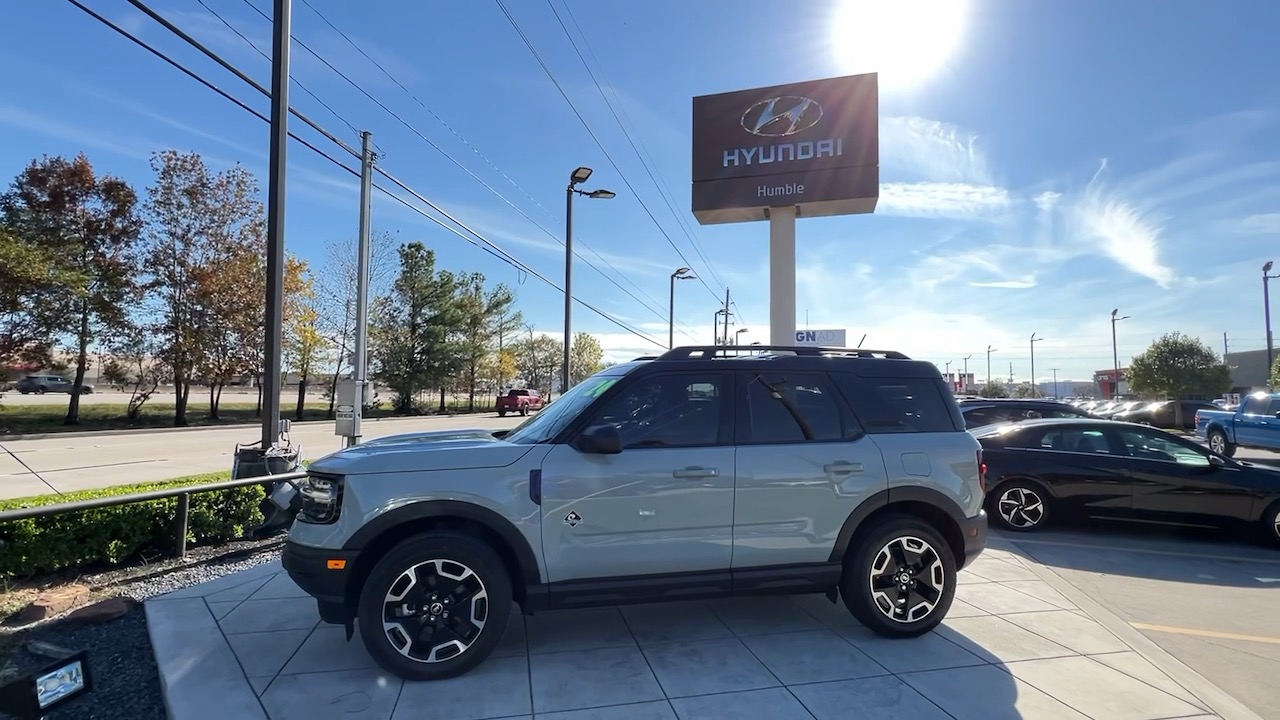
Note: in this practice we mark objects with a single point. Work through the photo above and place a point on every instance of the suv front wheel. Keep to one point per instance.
(435, 606)
(899, 577)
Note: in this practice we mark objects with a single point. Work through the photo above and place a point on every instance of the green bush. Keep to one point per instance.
(114, 534)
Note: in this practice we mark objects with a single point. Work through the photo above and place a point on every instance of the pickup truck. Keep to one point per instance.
(1255, 424)
(518, 400)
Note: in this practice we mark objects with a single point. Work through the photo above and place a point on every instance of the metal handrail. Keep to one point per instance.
(183, 493)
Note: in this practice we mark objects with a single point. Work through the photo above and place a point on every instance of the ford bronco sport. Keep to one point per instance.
(702, 473)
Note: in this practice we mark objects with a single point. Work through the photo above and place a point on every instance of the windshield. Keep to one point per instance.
(555, 416)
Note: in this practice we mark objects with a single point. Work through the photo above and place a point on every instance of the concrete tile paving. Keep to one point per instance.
(252, 646)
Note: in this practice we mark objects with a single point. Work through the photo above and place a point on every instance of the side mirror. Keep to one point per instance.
(600, 440)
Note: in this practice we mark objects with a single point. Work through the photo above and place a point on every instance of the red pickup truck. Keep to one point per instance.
(520, 400)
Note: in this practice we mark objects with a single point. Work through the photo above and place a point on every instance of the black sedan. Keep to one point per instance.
(983, 411)
(1039, 469)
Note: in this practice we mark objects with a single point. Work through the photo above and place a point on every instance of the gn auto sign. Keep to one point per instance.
(815, 145)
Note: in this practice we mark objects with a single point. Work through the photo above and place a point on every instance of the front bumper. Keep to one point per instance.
(323, 574)
(974, 532)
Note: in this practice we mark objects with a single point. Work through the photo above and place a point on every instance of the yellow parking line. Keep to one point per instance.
(1207, 633)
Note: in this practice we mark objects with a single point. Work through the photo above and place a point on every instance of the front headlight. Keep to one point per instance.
(321, 498)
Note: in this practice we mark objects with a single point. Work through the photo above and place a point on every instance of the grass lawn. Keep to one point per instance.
(17, 419)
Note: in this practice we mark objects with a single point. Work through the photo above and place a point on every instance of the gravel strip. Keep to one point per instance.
(126, 685)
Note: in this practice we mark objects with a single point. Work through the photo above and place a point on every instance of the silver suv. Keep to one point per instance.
(700, 473)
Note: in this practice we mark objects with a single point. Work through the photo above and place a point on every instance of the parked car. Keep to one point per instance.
(1255, 424)
(1160, 414)
(1115, 408)
(41, 384)
(701, 473)
(978, 413)
(1104, 469)
(519, 400)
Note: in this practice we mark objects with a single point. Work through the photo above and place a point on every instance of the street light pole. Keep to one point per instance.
(576, 178)
(736, 334)
(965, 379)
(1035, 390)
(683, 273)
(1056, 394)
(947, 372)
(1115, 353)
(279, 138)
(1266, 310)
(989, 351)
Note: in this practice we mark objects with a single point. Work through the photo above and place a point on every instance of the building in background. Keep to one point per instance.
(1110, 385)
(961, 382)
(1248, 370)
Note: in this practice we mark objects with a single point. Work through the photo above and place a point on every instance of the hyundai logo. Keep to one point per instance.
(781, 116)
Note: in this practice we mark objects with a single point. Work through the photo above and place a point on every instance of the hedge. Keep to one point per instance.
(114, 534)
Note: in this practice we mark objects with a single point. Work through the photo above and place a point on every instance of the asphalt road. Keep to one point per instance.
(103, 459)
(1209, 599)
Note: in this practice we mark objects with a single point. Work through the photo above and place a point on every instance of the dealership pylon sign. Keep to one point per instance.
(806, 149)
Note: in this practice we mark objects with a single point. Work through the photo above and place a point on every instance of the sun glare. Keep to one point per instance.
(905, 41)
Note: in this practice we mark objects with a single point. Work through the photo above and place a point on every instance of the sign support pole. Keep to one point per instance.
(782, 275)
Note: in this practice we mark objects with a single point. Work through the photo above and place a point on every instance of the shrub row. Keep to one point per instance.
(115, 534)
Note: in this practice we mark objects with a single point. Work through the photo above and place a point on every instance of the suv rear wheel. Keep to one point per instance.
(899, 577)
(435, 606)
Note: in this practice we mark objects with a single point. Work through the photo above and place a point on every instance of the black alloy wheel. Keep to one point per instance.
(899, 577)
(1019, 505)
(435, 606)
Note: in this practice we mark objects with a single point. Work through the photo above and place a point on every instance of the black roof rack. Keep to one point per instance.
(645, 357)
(708, 352)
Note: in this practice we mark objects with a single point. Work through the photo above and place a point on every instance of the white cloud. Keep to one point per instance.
(1263, 224)
(85, 138)
(959, 201)
(931, 151)
(1121, 230)
(1048, 200)
(1028, 282)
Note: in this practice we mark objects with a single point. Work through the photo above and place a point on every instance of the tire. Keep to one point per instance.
(40, 391)
(524, 410)
(502, 413)
(1019, 505)
(1219, 444)
(443, 560)
(869, 562)
(1271, 525)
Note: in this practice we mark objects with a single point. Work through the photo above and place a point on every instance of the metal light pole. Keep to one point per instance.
(360, 368)
(1035, 390)
(965, 379)
(1056, 394)
(683, 273)
(716, 338)
(989, 351)
(279, 138)
(1266, 310)
(576, 178)
(736, 334)
(1115, 353)
(947, 372)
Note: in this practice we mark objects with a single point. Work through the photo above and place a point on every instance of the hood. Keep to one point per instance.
(423, 451)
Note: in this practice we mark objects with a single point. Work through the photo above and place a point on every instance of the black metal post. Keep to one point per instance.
(275, 222)
(181, 523)
(1266, 309)
(568, 288)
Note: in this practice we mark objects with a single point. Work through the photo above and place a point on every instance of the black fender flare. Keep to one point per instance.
(526, 561)
(884, 499)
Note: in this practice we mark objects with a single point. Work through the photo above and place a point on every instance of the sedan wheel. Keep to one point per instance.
(1020, 506)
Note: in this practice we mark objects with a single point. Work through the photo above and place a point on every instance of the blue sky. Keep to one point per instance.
(1055, 160)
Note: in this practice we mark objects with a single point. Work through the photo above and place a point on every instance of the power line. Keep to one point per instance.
(623, 126)
(491, 248)
(547, 69)
(652, 308)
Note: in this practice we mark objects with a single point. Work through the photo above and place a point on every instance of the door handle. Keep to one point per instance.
(842, 468)
(695, 472)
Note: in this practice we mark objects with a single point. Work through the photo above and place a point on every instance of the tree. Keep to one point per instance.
(89, 225)
(1273, 380)
(304, 342)
(29, 282)
(1178, 367)
(413, 328)
(1026, 390)
(585, 358)
(481, 313)
(337, 284)
(204, 238)
(133, 367)
(993, 389)
(537, 359)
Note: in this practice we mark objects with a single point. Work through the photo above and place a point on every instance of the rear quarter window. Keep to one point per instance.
(900, 405)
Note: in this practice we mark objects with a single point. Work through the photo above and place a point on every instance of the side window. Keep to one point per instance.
(676, 410)
(1072, 440)
(899, 405)
(791, 408)
(986, 416)
(1150, 446)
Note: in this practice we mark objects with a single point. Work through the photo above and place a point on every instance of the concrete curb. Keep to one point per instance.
(229, 426)
(1216, 700)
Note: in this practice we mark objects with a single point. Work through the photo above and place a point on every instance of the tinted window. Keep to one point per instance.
(977, 417)
(1080, 440)
(1150, 446)
(897, 405)
(676, 410)
(791, 408)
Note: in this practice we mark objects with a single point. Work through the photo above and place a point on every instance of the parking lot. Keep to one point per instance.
(1208, 599)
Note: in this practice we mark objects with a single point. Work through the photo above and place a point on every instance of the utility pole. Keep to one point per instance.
(1225, 347)
(1056, 394)
(965, 378)
(1266, 310)
(947, 372)
(989, 351)
(279, 139)
(726, 315)
(1010, 373)
(361, 364)
(1035, 390)
(1115, 353)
